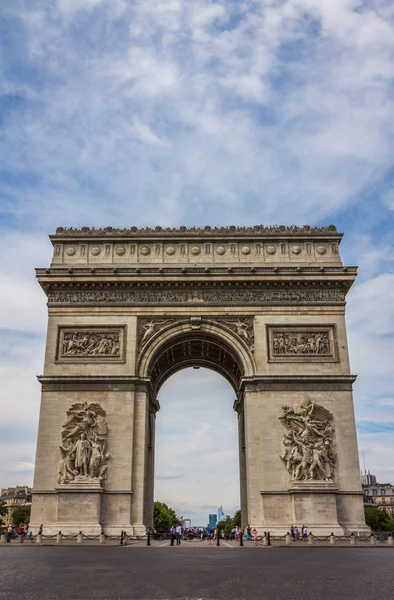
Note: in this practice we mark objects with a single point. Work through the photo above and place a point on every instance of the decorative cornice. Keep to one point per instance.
(207, 272)
(299, 382)
(197, 231)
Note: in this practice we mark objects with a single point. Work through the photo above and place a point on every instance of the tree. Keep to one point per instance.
(21, 514)
(3, 509)
(164, 517)
(378, 520)
(237, 519)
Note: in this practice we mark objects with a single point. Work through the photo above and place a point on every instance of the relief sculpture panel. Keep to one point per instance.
(308, 441)
(84, 445)
(92, 344)
(302, 343)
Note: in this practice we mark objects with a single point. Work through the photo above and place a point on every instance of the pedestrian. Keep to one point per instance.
(39, 532)
(292, 532)
(30, 536)
(254, 532)
(304, 533)
(21, 530)
(172, 535)
(178, 531)
(296, 533)
(9, 534)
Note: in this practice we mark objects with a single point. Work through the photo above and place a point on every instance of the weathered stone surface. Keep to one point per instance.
(262, 306)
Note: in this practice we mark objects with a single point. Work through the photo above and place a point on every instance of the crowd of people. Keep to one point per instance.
(299, 534)
(209, 534)
(22, 530)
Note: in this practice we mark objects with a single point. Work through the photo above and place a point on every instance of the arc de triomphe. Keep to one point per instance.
(263, 306)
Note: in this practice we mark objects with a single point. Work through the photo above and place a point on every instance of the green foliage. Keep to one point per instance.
(164, 517)
(378, 520)
(227, 526)
(237, 519)
(3, 508)
(21, 514)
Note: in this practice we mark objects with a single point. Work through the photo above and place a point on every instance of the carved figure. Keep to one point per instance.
(308, 442)
(243, 329)
(95, 459)
(150, 328)
(82, 451)
(300, 343)
(90, 343)
(84, 443)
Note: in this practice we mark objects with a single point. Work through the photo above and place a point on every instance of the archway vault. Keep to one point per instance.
(195, 343)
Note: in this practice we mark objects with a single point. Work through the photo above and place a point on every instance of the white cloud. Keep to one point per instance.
(198, 112)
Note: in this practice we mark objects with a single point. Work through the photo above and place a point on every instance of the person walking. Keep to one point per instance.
(304, 533)
(9, 534)
(292, 532)
(173, 535)
(178, 531)
(248, 535)
(254, 532)
(296, 533)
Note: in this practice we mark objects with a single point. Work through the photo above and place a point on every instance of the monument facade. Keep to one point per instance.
(263, 306)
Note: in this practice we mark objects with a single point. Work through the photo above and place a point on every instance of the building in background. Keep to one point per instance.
(213, 521)
(368, 479)
(13, 498)
(378, 495)
(186, 523)
(221, 515)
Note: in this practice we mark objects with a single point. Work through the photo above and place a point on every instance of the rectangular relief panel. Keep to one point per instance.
(93, 344)
(302, 343)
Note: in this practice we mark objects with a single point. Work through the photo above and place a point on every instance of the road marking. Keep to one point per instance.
(227, 544)
(164, 544)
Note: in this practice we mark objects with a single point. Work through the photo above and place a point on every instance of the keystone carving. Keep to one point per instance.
(84, 445)
(308, 441)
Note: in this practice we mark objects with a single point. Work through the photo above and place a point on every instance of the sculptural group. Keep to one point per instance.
(301, 343)
(308, 441)
(84, 444)
(88, 343)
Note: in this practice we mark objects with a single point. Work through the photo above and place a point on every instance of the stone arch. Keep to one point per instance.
(187, 344)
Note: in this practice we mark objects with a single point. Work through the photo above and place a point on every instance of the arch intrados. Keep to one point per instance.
(182, 346)
(208, 366)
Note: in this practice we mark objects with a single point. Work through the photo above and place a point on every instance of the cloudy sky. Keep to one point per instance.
(196, 112)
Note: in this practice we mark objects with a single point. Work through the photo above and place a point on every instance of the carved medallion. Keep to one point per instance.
(90, 344)
(293, 343)
(308, 441)
(84, 445)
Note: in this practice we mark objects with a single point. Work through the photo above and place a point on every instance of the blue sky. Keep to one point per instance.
(191, 112)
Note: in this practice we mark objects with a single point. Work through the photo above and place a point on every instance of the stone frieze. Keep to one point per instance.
(210, 295)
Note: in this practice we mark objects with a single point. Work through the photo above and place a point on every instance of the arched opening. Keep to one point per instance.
(200, 344)
(196, 462)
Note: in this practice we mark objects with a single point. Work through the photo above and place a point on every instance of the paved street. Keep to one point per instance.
(161, 572)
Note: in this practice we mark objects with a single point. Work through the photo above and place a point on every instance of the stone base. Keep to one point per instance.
(79, 506)
(81, 484)
(313, 487)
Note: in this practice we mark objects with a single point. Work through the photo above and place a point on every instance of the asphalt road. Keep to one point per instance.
(139, 572)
